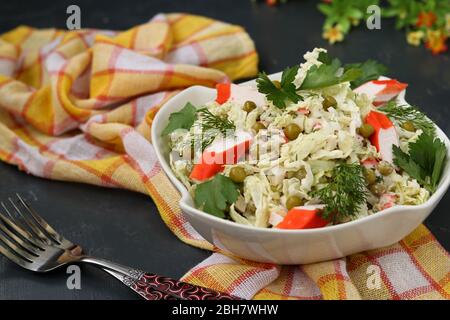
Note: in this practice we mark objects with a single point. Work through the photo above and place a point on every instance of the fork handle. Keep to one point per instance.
(148, 282)
(154, 287)
(150, 294)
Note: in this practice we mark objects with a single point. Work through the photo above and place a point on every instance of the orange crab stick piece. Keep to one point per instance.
(305, 217)
(384, 136)
(239, 94)
(223, 92)
(222, 151)
(381, 91)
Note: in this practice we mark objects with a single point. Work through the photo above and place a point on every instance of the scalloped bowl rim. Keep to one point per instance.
(164, 113)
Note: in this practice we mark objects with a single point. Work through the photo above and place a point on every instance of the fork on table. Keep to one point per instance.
(30, 242)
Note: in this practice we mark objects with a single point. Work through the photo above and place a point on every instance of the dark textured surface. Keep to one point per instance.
(124, 226)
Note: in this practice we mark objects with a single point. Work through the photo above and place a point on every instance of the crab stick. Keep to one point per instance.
(275, 218)
(238, 94)
(304, 217)
(381, 91)
(223, 151)
(384, 136)
(387, 200)
(303, 110)
(369, 163)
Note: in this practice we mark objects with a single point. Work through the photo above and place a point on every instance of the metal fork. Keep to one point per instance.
(29, 241)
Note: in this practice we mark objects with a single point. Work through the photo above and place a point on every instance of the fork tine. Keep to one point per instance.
(16, 249)
(22, 232)
(21, 262)
(40, 221)
(42, 236)
(17, 239)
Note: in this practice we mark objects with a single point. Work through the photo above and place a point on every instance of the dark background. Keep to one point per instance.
(124, 226)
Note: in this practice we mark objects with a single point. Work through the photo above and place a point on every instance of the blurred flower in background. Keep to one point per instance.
(425, 21)
(436, 41)
(414, 38)
(341, 15)
(333, 34)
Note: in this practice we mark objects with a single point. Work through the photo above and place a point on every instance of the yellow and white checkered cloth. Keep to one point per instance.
(78, 106)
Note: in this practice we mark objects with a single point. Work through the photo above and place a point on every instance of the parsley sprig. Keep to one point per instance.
(425, 161)
(361, 71)
(183, 119)
(329, 73)
(405, 113)
(345, 193)
(370, 70)
(286, 91)
(216, 195)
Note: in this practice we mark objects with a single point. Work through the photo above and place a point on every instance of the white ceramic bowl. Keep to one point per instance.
(291, 246)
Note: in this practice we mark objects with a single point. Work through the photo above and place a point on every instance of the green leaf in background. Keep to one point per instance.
(344, 13)
(183, 119)
(406, 12)
(216, 195)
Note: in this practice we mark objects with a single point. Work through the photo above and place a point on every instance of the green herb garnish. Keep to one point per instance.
(370, 70)
(359, 73)
(211, 121)
(183, 119)
(287, 90)
(408, 113)
(216, 195)
(346, 192)
(425, 161)
(329, 73)
(211, 126)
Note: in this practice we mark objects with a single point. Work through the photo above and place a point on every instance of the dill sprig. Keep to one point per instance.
(211, 125)
(211, 121)
(405, 113)
(345, 193)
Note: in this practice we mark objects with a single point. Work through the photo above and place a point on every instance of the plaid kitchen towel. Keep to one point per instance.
(78, 106)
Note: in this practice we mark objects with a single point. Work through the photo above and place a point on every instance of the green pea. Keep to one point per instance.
(377, 189)
(293, 201)
(329, 102)
(385, 168)
(249, 106)
(258, 126)
(292, 131)
(409, 126)
(300, 174)
(366, 130)
(370, 176)
(238, 174)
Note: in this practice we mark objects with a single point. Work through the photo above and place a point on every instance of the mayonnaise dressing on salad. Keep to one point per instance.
(279, 175)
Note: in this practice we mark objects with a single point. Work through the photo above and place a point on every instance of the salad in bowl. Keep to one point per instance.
(324, 145)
